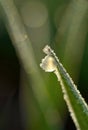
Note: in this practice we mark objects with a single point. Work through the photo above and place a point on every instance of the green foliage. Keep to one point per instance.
(41, 95)
(75, 102)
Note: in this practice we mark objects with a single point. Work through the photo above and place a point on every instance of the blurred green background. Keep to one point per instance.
(61, 24)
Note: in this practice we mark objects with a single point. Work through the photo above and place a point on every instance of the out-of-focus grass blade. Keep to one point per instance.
(71, 34)
(75, 102)
(23, 47)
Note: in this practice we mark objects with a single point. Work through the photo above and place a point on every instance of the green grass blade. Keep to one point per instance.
(25, 52)
(75, 102)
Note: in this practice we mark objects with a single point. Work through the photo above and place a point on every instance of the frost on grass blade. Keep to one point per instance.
(48, 63)
(79, 111)
(47, 50)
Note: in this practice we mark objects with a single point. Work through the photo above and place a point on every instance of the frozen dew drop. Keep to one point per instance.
(48, 64)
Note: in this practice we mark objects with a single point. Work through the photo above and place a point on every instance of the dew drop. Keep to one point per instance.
(48, 64)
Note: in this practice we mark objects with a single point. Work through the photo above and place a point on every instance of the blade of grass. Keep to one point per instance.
(71, 35)
(23, 47)
(75, 102)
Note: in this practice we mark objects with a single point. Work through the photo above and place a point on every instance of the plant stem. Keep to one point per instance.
(23, 47)
(75, 102)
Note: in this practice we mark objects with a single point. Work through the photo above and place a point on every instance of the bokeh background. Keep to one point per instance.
(24, 105)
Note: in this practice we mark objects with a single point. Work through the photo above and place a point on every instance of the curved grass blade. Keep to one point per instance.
(27, 59)
(75, 102)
